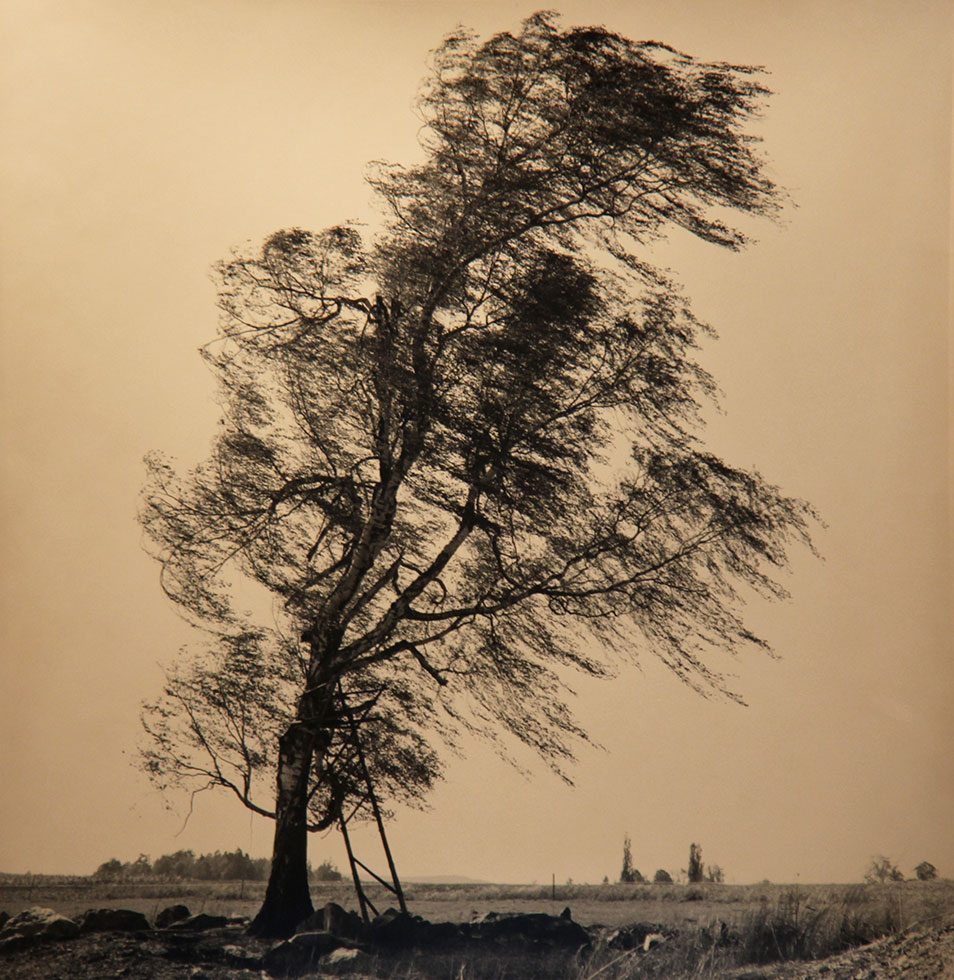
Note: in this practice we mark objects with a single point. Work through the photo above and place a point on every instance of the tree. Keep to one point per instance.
(926, 871)
(179, 865)
(662, 877)
(695, 870)
(629, 874)
(326, 871)
(110, 870)
(881, 870)
(714, 873)
(412, 458)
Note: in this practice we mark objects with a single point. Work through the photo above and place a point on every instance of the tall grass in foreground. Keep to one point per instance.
(796, 926)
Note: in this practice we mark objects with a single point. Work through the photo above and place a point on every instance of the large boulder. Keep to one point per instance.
(394, 930)
(112, 920)
(336, 920)
(35, 925)
(172, 914)
(398, 930)
(301, 953)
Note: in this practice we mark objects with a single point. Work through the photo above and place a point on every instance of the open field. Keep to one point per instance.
(676, 906)
(766, 923)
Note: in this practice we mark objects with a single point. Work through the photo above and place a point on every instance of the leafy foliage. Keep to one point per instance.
(421, 476)
(218, 722)
(695, 872)
(926, 871)
(715, 874)
(881, 870)
(629, 874)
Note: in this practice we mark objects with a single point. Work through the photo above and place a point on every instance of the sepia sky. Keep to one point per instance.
(142, 141)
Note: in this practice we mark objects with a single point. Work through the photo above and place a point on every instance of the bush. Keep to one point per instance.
(663, 877)
(926, 871)
(326, 871)
(881, 870)
(715, 874)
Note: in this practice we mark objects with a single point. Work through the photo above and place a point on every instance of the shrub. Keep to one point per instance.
(715, 874)
(663, 877)
(926, 871)
(881, 870)
(326, 871)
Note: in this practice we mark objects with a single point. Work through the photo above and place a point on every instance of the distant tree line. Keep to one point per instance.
(883, 869)
(219, 866)
(696, 872)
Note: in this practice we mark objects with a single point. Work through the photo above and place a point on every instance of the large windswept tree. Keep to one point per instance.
(467, 453)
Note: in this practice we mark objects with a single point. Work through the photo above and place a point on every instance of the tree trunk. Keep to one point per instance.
(287, 898)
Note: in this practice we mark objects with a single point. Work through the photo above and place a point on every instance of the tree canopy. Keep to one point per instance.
(465, 456)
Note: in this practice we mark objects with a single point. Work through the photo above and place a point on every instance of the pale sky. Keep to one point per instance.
(142, 141)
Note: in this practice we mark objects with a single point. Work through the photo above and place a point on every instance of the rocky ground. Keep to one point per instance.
(115, 943)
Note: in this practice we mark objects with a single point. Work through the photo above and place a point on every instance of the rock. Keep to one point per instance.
(347, 963)
(200, 922)
(397, 930)
(239, 956)
(532, 927)
(634, 936)
(174, 913)
(653, 939)
(36, 924)
(301, 953)
(112, 920)
(336, 920)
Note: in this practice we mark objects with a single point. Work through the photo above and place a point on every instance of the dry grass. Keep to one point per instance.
(763, 923)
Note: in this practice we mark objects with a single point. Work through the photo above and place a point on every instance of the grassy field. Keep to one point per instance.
(674, 906)
(765, 922)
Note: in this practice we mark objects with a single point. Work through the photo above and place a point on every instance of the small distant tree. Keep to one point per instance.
(715, 874)
(629, 874)
(140, 868)
(926, 871)
(113, 868)
(179, 865)
(695, 870)
(326, 871)
(881, 870)
(662, 877)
